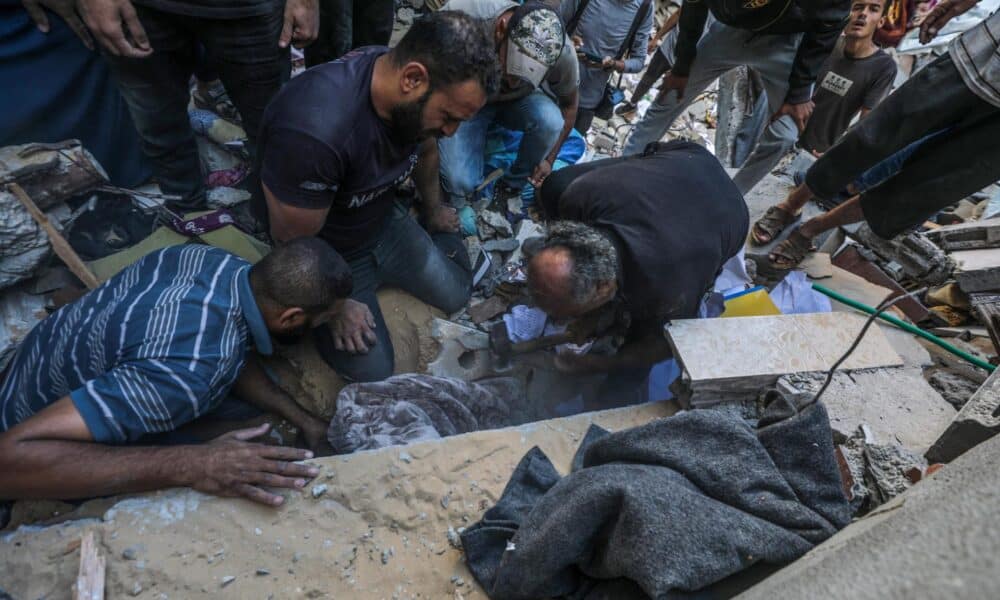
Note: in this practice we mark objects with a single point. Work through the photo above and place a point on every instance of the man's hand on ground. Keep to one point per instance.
(671, 82)
(354, 328)
(230, 465)
(65, 9)
(116, 26)
(442, 219)
(542, 170)
(799, 113)
(945, 11)
(301, 26)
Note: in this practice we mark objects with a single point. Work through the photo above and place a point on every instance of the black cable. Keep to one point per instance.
(881, 308)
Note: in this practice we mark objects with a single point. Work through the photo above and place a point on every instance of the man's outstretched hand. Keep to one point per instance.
(442, 219)
(232, 466)
(65, 9)
(945, 11)
(116, 26)
(799, 113)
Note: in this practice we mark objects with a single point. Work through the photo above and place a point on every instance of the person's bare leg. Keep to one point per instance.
(794, 248)
(844, 214)
(796, 199)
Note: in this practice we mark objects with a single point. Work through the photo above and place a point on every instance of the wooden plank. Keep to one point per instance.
(59, 243)
(851, 260)
(90, 579)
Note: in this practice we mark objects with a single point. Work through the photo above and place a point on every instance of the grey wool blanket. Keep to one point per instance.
(663, 510)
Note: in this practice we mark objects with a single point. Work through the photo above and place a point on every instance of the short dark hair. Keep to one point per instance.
(454, 47)
(305, 272)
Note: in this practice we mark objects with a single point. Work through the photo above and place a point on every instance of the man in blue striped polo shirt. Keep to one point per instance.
(157, 346)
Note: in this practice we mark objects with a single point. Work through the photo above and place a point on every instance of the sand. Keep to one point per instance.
(379, 531)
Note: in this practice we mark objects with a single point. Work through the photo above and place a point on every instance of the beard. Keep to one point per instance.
(408, 121)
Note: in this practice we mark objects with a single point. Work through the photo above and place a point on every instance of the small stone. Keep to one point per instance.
(136, 589)
(263, 571)
(453, 539)
(130, 553)
(445, 501)
(405, 457)
(257, 531)
(385, 557)
(319, 490)
(296, 557)
(458, 581)
(227, 580)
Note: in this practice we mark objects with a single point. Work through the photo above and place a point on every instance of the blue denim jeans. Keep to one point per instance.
(245, 54)
(434, 268)
(463, 154)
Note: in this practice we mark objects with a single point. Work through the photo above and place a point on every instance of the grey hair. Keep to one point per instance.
(595, 258)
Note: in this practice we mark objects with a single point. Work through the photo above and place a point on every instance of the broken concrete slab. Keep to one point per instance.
(953, 386)
(977, 270)
(492, 224)
(975, 235)
(326, 547)
(940, 539)
(856, 288)
(978, 421)
(896, 404)
(525, 230)
(501, 245)
(51, 173)
(748, 353)
(816, 265)
(25, 245)
(465, 352)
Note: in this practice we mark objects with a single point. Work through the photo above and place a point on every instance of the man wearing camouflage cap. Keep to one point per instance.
(539, 63)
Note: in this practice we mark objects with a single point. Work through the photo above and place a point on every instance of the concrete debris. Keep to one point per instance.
(953, 387)
(526, 230)
(891, 470)
(51, 173)
(975, 235)
(978, 421)
(492, 224)
(896, 404)
(262, 571)
(501, 245)
(977, 270)
(19, 312)
(464, 351)
(917, 257)
(318, 490)
(227, 580)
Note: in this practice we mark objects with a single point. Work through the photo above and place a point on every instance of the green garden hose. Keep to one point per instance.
(906, 327)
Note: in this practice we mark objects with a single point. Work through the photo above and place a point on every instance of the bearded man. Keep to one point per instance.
(336, 144)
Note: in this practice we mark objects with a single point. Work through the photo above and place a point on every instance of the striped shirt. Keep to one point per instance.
(976, 53)
(156, 346)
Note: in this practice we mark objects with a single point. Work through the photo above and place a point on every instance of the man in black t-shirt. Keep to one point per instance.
(652, 231)
(853, 79)
(153, 46)
(335, 145)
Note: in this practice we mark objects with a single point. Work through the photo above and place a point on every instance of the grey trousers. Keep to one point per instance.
(722, 48)
(777, 140)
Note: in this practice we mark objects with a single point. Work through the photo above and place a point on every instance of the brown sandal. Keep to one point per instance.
(768, 227)
(791, 251)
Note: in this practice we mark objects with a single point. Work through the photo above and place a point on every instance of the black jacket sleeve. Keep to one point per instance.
(694, 13)
(817, 44)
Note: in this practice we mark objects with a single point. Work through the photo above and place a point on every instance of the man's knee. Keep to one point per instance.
(375, 365)
(544, 119)
(457, 176)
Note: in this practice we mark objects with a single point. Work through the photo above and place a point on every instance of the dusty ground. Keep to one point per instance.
(379, 531)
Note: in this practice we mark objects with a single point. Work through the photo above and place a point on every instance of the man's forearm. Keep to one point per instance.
(426, 176)
(54, 469)
(254, 386)
(568, 110)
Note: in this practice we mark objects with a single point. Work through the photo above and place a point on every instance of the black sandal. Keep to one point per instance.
(770, 226)
(791, 251)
